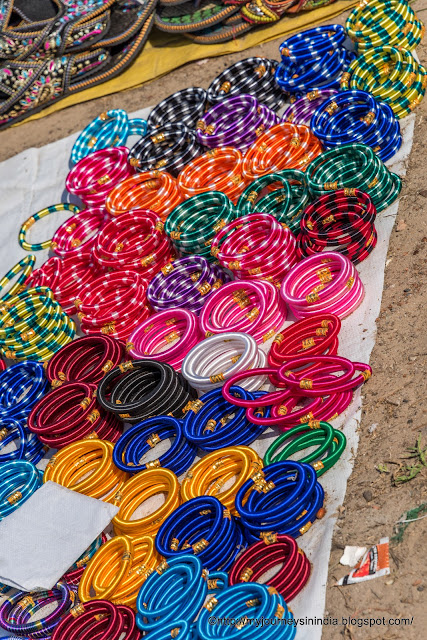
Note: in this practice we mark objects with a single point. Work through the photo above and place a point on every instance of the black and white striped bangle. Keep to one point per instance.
(186, 106)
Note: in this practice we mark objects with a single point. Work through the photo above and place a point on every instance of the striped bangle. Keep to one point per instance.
(22, 238)
(185, 107)
(25, 268)
(18, 481)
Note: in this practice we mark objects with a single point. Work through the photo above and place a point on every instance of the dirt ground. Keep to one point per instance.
(393, 406)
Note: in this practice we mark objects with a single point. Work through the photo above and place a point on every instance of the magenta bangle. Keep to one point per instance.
(302, 110)
(77, 235)
(98, 620)
(319, 382)
(166, 337)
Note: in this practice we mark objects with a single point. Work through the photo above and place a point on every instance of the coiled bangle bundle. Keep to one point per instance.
(38, 246)
(249, 600)
(17, 610)
(262, 556)
(342, 221)
(246, 306)
(70, 413)
(354, 166)
(76, 235)
(284, 497)
(98, 619)
(219, 357)
(21, 386)
(384, 22)
(33, 326)
(185, 107)
(251, 76)
(135, 492)
(113, 304)
(284, 146)
(135, 241)
(27, 445)
(215, 423)
(203, 527)
(118, 569)
(70, 466)
(301, 110)
(213, 471)
(154, 190)
(73, 575)
(145, 436)
(313, 59)
(192, 224)
(330, 444)
(93, 177)
(25, 268)
(355, 116)
(218, 169)
(391, 75)
(326, 281)
(169, 149)
(141, 389)
(166, 336)
(85, 359)
(18, 481)
(256, 246)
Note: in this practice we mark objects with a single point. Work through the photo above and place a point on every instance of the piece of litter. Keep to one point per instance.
(351, 555)
(372, 428)
(388, 262)
(374, 563)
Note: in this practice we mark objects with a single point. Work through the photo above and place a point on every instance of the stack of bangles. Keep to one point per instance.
(21, 386)
(391, 75)
(143, 437)
(192, 224)
(284, 146)
(330, 444)
(85, 359)
(355, 116)
(185, 283)
(141, 389)
(43, 213)
(77, 235)
(246, 306)
(17, 610)
(70, 467)
(254, 76)
(33, 325)
(236, 121)
(113, 304)
(70, 413)
(133, 241)
(169, 149)
(98, 619)
(343, 222)
(220, 357)
(186, 107)
(118, 569)
(154, 190)
(18, 481)
(24, 267)
(212, 472)
(20, 443)
(73, 576)
(287, 197)
(301, 111)
(219, 169)
(93, 177)
(166, 336)
(274, 551)
(215, 423)
(354, 165)
(110, 129)
(136, 491)
(204, 527)
(256, 246)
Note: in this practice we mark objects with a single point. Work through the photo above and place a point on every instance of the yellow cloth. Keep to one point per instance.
(164, 52)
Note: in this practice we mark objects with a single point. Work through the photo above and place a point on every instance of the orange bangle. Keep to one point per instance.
(214, 470)
(284, 146)
(137, 490)
(155, 190)
(216, 170)
(70, 466)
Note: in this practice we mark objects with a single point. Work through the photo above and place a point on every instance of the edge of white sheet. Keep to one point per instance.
(35, 179)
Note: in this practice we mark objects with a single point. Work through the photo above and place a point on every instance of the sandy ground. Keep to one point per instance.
(393, 416)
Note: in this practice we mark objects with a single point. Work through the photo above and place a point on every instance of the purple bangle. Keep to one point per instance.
(302, 110)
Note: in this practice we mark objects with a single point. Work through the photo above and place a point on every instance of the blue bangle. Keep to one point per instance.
(21, 386)
(203, 527)
(28, 446)
(311, 43)
(144, 436)
(283, 497)
(19, 479)
(209, 429)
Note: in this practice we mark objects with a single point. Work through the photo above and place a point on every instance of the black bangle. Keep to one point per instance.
(186, 107)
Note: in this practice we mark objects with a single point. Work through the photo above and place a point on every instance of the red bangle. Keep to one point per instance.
(77, 235)
(283, 552)
(98, 620)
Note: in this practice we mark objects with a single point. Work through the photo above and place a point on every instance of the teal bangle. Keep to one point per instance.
(39, 246)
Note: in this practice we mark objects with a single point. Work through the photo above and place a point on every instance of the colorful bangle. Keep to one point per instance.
(98, 619)
(143, 437)
(77, 235)
(73, 575)
(301, 110)
(21, 386)
(22, 238)
(25, 268)
(184, 107)
(27, 446)
(154, 190)
(135, 492)
(19, 479)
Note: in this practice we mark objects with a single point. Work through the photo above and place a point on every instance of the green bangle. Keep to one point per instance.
(328, 441)
(38, 246)
(26, 266)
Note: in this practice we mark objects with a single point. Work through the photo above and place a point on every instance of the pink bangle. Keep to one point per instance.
(77, 234)
(166, 336)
